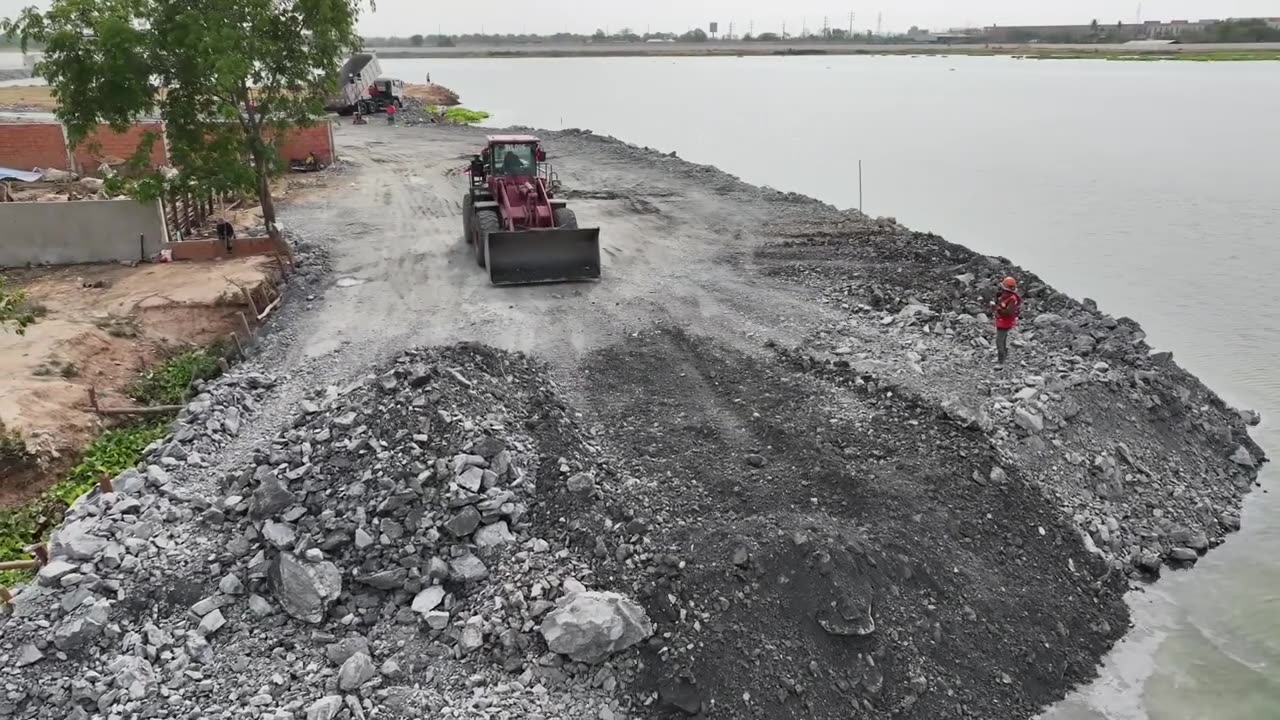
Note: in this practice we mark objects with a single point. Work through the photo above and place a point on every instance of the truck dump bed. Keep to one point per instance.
(354, 79)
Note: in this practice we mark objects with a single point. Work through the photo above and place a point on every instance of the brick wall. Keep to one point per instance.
(215, 249)
(24, 146)
(297, 143)
(107, 143)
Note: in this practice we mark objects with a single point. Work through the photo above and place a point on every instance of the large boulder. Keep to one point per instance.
(356, 671)
(75, 541)
(594, 625)
(305, 590)
(271, 497)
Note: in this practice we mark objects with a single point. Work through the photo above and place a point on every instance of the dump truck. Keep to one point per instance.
(362, 89)
(516, 226)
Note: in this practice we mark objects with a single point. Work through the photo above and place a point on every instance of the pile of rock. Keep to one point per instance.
(1086, 406)
(382, 543)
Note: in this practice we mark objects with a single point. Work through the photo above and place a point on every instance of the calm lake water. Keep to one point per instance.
(1153, 188)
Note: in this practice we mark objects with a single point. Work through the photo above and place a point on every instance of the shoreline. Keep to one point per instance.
(843, 442)
(1200, 53)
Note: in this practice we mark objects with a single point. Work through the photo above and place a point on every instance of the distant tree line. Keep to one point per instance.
(696, 35)
(1236, 31)
(1227, 31)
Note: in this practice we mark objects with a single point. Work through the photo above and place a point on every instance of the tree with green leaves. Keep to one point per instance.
(225, 76)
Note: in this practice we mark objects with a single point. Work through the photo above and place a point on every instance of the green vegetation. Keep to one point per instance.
(454, 115)
(167, 383)
(226, 76)
(109, 455)
(15, 313)
(463, 116)
(113, 452)
(13, 450)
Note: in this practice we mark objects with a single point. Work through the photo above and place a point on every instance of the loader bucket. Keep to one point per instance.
(543, 256)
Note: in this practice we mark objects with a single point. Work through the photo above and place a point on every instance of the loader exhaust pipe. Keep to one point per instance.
(543, 256)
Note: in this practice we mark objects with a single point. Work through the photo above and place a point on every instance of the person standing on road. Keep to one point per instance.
(1005, 310)
(391, 113)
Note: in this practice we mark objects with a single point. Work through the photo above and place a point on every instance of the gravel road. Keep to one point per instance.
(674, 247)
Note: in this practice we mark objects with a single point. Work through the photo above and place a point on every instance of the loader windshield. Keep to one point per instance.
(514, 159)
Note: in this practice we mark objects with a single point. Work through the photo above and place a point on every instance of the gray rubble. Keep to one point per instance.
(374, 558)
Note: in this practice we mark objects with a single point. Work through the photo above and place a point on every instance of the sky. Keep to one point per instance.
(407, 17)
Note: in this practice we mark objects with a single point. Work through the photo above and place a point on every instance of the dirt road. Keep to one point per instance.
(674, 249)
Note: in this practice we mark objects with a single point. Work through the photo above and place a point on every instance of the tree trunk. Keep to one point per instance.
(268, 204)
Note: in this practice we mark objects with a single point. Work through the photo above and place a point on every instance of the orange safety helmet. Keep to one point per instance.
(1009, 283)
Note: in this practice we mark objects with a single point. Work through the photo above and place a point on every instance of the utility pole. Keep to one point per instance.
(730, 29)
(826, 28)
(784, 29)
(850, 25)
(879, 23)
(751, 28)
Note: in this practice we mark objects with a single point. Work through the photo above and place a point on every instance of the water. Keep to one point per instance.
(1153, 188)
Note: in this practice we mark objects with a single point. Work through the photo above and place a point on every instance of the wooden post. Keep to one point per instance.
(40, 551)
(248, 332)
(859, 186)
(93, 398)
(248, 296)
(5, 596)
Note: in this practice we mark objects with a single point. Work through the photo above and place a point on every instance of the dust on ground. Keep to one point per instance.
(98, 326)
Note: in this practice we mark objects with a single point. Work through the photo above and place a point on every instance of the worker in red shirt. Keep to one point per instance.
(1005, 310)
(391, 113)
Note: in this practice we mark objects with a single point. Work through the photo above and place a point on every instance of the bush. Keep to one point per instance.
(13, 451)
(166, 383)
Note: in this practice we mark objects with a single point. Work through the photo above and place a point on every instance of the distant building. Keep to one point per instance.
(1114, 32)
(916, 34)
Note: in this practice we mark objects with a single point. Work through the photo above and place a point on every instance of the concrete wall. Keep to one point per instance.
(85, 231)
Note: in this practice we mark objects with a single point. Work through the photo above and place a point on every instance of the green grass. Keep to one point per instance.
(1031, 52)
(166, 383)
(113, 452)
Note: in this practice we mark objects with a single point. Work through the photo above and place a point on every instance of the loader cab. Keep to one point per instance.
(513, 155)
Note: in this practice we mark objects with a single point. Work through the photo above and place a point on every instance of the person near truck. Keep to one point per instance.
(1005, 310)
(391, 113)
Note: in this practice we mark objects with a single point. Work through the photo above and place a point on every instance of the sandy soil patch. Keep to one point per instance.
(101, 325)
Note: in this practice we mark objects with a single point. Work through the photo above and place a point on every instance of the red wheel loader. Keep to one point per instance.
(517, 227)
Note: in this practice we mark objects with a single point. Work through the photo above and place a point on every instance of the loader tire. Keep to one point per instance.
(565, 219)
(468, 209)
(485, 222)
